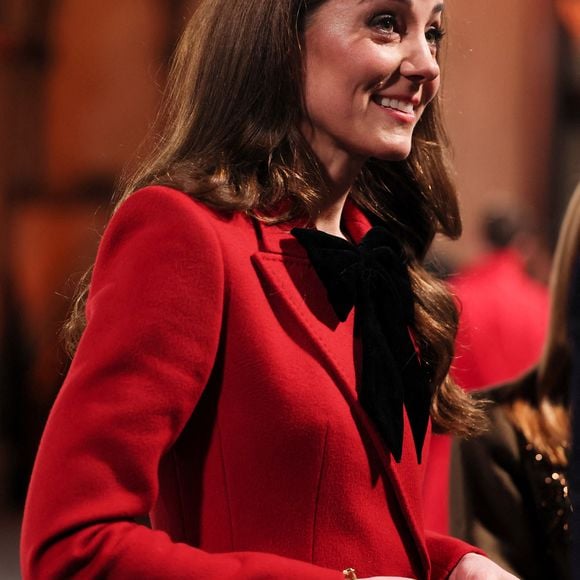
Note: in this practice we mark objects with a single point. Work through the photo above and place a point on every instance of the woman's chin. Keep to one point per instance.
(393, 154)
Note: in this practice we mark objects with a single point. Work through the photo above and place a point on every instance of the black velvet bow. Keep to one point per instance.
(373, 277)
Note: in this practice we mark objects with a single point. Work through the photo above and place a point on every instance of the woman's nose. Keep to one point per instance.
(419, 62)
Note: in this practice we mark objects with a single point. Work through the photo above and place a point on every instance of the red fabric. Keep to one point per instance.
(504, 319)
(214, 389)
(503, 323)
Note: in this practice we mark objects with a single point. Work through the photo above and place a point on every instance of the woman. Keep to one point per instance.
(509, 487)
(218, 385)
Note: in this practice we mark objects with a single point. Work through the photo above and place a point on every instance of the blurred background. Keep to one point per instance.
(79, 85)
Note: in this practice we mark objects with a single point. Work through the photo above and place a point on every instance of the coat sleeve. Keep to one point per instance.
(445, 553)
(154, 315)
(487, 500)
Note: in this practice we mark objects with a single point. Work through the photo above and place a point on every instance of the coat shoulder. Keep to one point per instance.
(501, 438)
(169, 204)
(499, 399)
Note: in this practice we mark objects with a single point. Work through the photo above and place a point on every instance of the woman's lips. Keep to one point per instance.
(400, 108)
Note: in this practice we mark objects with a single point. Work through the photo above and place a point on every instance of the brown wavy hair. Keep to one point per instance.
(542, 412)
(227, 134)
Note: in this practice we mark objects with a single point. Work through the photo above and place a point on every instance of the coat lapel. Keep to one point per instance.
(284, 264)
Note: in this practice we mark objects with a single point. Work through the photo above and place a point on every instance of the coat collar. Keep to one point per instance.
(277, 239)
(283, 262)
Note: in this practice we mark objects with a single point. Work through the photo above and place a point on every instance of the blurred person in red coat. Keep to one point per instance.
(263, 351)
(503, 309)
(502, 326)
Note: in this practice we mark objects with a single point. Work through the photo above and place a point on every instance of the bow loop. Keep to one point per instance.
(373, 278)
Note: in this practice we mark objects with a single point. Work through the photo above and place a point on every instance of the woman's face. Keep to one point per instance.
(370, 71)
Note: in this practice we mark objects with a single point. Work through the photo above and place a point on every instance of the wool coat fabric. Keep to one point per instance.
(215, 390)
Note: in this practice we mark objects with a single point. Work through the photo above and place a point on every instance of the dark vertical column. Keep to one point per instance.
(566, 145)
(24, 60)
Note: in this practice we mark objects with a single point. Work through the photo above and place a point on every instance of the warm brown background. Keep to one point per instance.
(79, 83)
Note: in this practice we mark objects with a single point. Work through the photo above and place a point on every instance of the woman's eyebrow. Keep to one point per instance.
(436, 9)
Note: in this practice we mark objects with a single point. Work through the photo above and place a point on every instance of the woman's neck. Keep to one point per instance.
(339, 173)
(328, 217)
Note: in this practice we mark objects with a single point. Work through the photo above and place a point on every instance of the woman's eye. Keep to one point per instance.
(434, 35)
(386, 23)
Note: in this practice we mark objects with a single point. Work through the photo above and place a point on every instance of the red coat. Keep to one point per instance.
(215, 389)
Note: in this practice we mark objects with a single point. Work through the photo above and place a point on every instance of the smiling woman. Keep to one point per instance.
(370, 70)
(370, 73)
(260, 353)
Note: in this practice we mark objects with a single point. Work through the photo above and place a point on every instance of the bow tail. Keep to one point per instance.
(417, 401)
(382, 388)
(417, 397)
(416, 389)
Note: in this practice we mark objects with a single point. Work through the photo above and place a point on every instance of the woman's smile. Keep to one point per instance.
(370, 70)
(399, 108)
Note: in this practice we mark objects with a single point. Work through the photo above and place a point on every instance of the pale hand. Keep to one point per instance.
(477, 567)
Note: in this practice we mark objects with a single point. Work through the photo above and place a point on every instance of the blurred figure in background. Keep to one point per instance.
(502, 327)
(504, 311)
(509, 487)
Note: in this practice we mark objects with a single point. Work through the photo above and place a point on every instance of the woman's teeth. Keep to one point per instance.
(402, 106)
